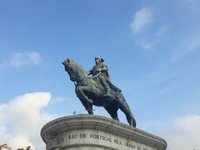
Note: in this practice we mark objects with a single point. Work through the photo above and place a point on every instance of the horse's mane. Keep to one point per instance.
(80, 67)
(93, 80)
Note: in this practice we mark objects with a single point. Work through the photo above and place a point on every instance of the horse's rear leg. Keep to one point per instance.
(129, 116)
(131, 120)
(125, 108)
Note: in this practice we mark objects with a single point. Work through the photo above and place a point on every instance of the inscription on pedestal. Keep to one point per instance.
(106, 139)
(88, 132)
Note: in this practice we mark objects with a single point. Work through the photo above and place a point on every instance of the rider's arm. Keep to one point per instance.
(90, 71)
(104, 68)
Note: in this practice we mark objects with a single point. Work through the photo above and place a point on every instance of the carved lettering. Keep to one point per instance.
(72, 136)
(132, 146)
(117, 142)
(138, 148)
(129, 145)
(83, 135)
(96, 136)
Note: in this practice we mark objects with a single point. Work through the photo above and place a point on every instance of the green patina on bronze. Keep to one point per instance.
(92, 91)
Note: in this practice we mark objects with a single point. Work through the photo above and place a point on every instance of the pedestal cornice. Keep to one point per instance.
(52, 131)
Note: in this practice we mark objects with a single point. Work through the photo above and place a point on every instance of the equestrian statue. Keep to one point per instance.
(97, 89)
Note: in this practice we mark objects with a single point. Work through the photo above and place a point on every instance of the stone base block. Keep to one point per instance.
(90, 132)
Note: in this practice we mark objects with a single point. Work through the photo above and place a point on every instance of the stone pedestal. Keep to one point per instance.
(90, 132)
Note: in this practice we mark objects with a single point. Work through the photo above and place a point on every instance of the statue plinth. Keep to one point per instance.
(91, 132)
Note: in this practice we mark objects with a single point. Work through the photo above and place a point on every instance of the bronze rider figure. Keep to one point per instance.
(100, 70)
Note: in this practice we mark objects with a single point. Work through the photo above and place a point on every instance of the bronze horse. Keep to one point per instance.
(90, 92)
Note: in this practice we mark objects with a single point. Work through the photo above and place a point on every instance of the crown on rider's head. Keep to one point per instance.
(98, 58)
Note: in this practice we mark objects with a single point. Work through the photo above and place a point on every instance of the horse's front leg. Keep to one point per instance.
(87, 103)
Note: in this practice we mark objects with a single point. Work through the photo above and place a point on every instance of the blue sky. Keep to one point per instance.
(152, 49)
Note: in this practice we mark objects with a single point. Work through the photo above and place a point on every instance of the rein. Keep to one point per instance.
(96, 75)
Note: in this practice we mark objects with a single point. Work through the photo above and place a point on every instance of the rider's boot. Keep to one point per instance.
(107, 92)
(106, 86)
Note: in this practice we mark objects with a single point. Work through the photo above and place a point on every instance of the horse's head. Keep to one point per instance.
(74, 70)
(70, 69)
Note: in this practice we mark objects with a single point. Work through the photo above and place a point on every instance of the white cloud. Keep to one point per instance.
(141, 18)
(146, 43)
(186, 46)
(34, 57)
(22, 118)
(184, 133)
(19, 59)
(162, 31)
(24, 58)
(147, 39)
